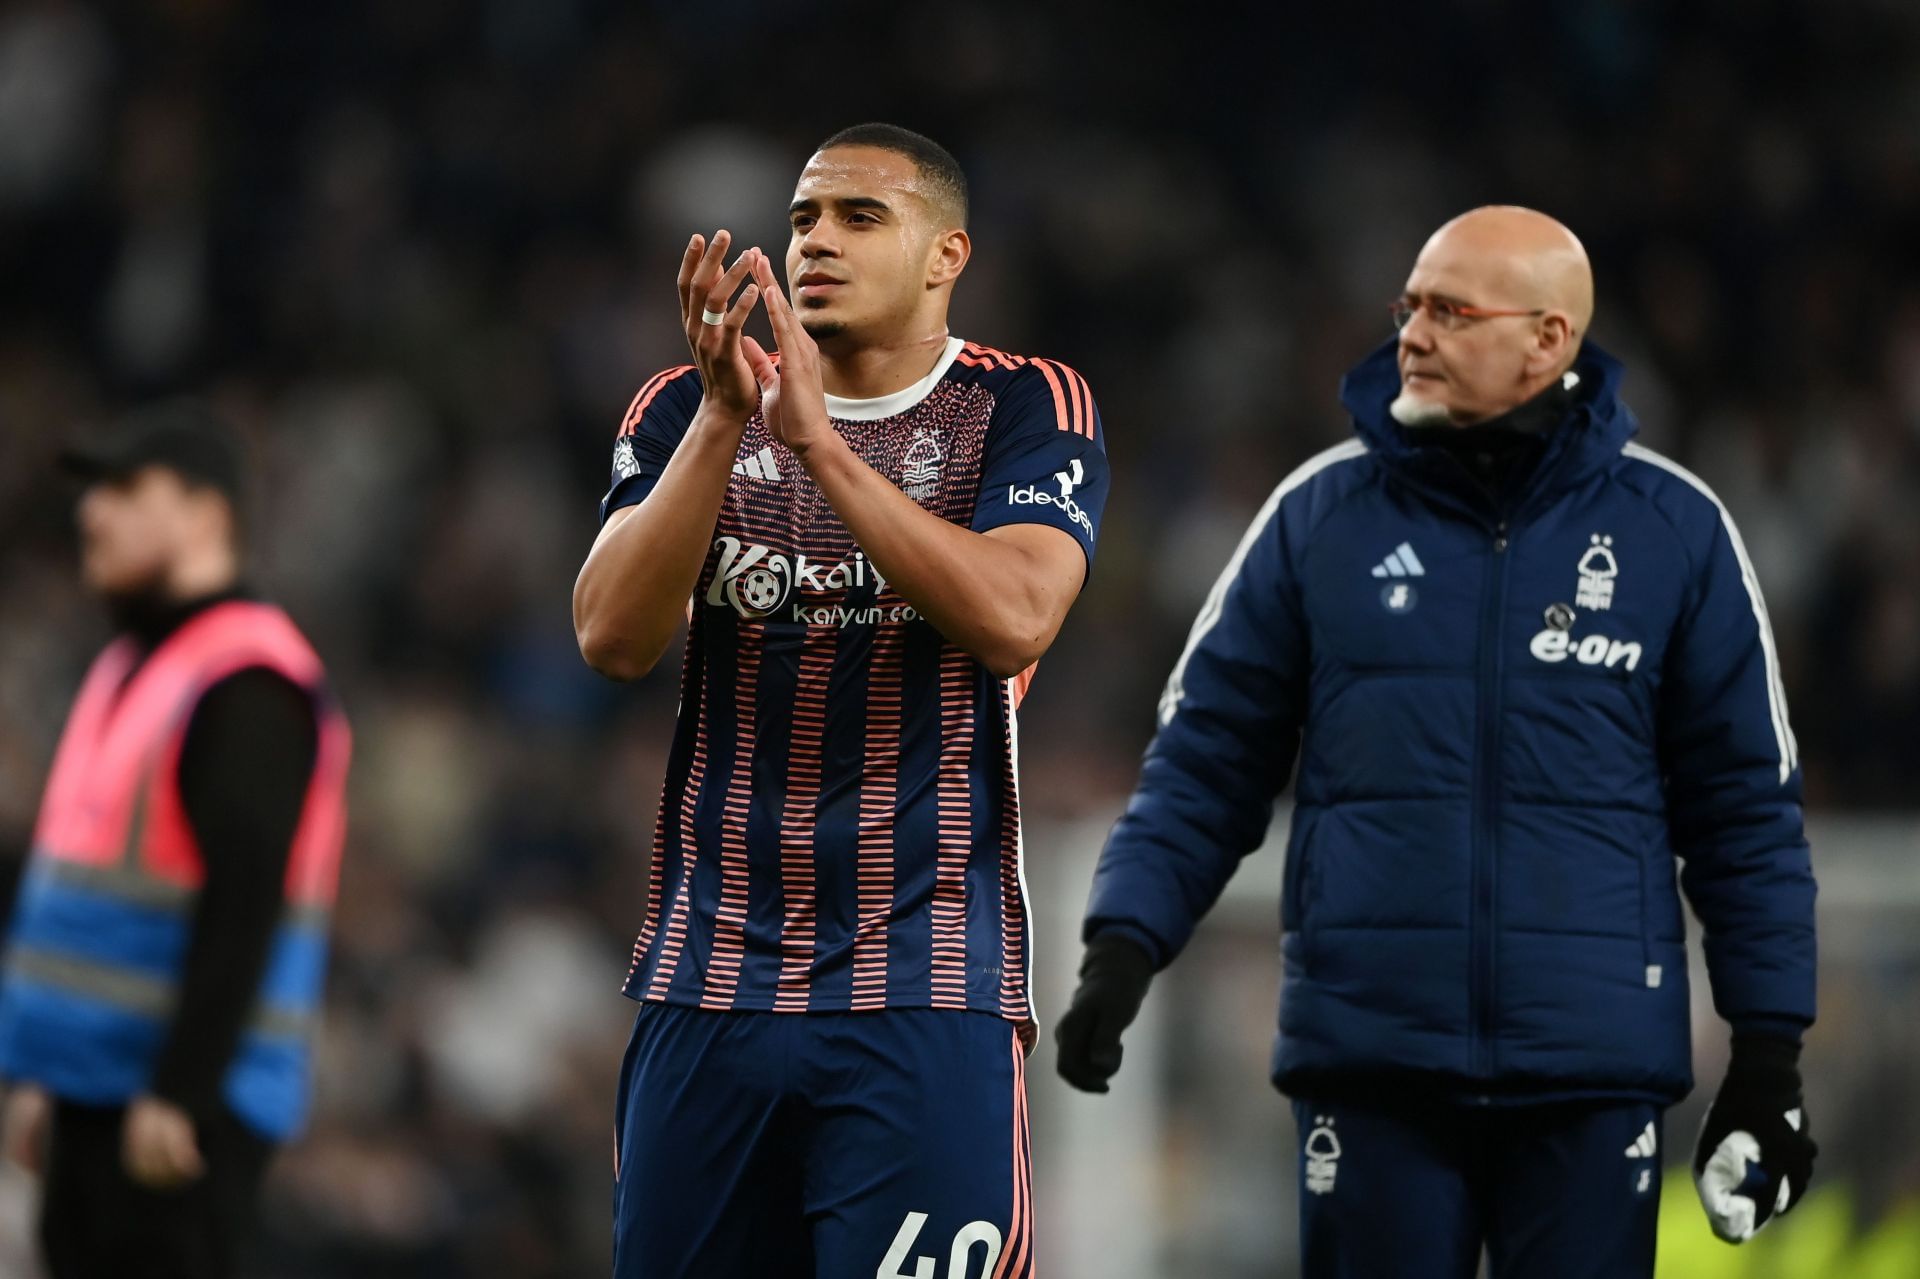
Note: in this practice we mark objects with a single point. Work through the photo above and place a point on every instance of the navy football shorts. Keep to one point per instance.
(802, 1145)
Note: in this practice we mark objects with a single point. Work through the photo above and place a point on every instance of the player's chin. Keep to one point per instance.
(820, 328)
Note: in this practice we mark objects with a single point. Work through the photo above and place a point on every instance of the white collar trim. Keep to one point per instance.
(900, 401)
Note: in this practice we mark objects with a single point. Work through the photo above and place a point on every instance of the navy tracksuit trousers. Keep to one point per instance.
(1416, 1188)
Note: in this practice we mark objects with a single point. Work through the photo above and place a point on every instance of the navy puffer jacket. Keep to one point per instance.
(1514, 723)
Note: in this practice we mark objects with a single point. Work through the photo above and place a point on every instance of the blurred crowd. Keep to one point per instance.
(422, 253)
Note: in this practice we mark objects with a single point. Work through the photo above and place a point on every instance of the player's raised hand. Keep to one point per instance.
(713, 325)
(792, 398)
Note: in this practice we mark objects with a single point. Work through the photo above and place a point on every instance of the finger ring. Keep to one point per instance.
(713, 317)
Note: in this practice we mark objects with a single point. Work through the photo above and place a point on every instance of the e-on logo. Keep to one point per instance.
(1554, 645)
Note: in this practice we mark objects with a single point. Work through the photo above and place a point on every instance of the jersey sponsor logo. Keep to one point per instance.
(1072, 478)
(757, 582)
(1068, 480)
(1556, 644)
(840, 616)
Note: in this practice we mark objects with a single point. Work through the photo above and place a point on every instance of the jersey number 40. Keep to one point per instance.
(959, 1260)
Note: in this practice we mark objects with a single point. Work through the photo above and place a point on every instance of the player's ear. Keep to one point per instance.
(948, 258)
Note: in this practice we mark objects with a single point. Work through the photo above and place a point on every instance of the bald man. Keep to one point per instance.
(1525, 670)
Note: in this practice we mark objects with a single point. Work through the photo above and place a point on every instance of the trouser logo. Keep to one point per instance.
(1323, 1156)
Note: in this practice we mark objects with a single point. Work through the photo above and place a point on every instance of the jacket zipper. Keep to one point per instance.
(1485, 891)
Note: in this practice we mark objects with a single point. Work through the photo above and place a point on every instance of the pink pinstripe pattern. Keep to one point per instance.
(798, 889)
(1013, 906)
(955, 830)
(875, 848)
(673, 934)
(730, 918)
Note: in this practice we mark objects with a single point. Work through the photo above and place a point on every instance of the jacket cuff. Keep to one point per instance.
(1787, 1028)
(1131, 933)
(1763, 1062)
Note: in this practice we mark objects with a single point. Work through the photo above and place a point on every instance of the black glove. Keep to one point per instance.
(1755, 1155)
(1114, 975)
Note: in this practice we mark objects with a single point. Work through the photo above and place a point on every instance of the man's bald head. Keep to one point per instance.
(1532, 274)
(1535, 259)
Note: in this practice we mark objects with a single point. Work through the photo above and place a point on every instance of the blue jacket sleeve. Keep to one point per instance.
(1733, 795)
(1229, 731)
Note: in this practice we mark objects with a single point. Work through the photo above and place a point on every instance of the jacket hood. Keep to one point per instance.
(1598, 423)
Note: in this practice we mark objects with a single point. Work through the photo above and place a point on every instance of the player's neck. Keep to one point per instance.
(866, 371)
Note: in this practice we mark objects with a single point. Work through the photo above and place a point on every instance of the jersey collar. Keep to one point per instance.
(900, 401)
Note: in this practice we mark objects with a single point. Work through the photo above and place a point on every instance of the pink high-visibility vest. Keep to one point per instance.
(106, 905)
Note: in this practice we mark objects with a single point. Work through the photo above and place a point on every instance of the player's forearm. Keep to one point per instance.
(981, 594)
(632, 592)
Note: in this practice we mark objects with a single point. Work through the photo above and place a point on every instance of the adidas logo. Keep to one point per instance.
(1645, 1146)
(1402, 563)
(759, 466)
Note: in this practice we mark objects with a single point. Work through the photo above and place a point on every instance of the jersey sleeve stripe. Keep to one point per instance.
(991, 357)
(1086, 399)
(1055, 369)
(631, 419)
(1210, 612)
(655, 384)
(1062, 414)
(1776, 689)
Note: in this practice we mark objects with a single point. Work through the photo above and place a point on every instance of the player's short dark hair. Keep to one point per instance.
(934, 162)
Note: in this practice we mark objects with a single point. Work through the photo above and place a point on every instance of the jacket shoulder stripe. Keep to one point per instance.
(1216, 601)
(1776, 690)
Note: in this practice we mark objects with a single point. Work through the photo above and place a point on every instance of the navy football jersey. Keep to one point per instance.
(840, 823)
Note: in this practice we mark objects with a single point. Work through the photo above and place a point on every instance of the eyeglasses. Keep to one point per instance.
(1445, 314)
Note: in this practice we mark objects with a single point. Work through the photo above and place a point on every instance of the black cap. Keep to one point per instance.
(182, 435)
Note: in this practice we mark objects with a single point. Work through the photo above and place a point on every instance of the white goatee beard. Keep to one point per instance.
(1410, 410)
